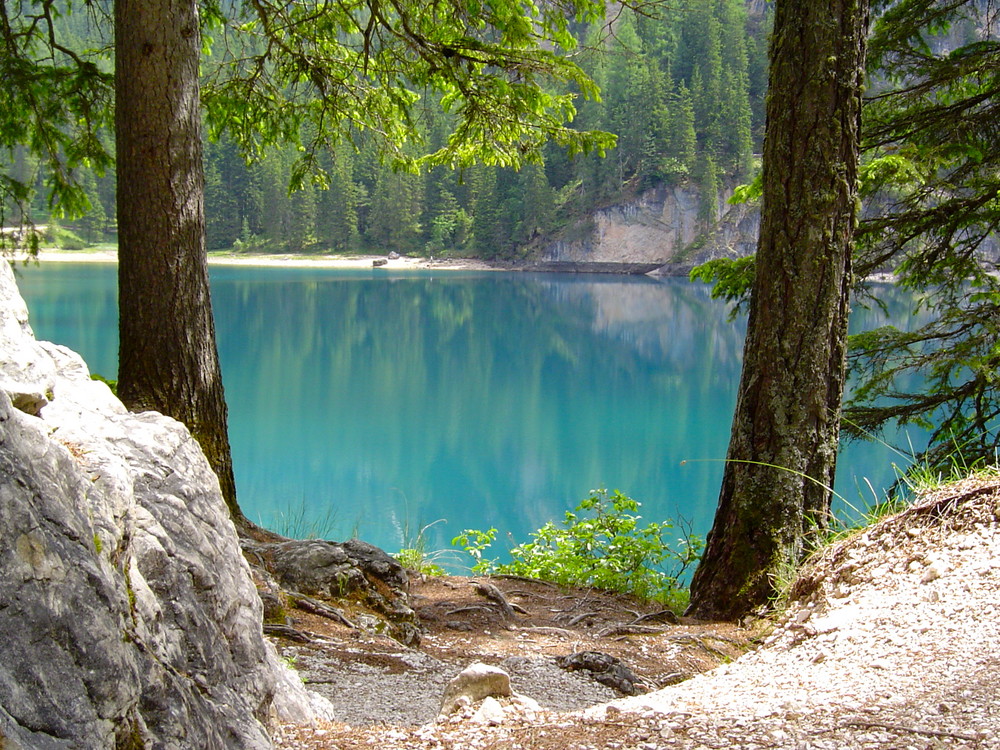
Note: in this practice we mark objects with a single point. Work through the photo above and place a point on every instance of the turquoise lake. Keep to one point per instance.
(373, 403)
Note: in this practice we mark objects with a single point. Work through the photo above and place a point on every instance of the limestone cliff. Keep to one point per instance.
(658, 227)
(128, 614)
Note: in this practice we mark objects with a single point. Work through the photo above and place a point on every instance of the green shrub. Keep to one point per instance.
(599, 544)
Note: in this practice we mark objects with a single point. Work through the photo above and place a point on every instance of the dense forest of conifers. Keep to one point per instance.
(683, 91)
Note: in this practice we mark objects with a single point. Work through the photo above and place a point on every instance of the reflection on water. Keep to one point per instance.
(378, 402)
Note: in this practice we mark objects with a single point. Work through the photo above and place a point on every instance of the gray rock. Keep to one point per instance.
(606, 669)
(472, 684)
(25, 376)
(490, 712)
(343, 570)
(128, 615)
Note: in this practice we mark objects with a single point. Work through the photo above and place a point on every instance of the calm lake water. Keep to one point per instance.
(375, 402)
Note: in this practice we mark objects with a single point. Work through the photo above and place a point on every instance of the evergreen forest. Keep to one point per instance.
(682, 89)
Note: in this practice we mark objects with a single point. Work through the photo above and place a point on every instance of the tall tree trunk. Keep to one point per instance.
(783, 447)
(168, 360)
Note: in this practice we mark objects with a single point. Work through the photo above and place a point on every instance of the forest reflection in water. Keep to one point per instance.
(378, 402)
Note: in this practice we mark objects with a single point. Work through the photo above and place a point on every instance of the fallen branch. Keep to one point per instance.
(286, 631)
(470, 608)
(673, 678)
(316, 607)
(579, 618)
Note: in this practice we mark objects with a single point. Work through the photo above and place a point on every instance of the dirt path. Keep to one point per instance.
(373, 680)
(890, 642)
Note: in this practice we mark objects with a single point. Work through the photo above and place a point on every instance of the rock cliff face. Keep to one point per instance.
(660, 227)
(128, 614)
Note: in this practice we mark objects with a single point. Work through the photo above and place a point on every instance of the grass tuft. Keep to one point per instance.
(414, 553)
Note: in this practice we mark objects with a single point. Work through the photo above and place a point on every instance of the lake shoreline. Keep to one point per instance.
(400, 263)
(293, 261)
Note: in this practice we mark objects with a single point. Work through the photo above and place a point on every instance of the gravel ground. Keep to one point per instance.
(890, 641)
(373, 680)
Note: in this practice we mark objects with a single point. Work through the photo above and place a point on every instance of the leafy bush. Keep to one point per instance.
(599, 544)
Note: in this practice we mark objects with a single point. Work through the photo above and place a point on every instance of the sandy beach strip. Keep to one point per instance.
(287, 261)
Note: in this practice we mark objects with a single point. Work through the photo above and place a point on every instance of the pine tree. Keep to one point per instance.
(274, 212)
(682, 140)
(487, 240)
(92, 223)
(396, 207)
(705, 35)
(451, 227)
(222, 215)
(783, 448)
(229, 198)
(538, 205)
(337, 206)
(168, 360)
(736, 145)
(302, 225)
(707, 178)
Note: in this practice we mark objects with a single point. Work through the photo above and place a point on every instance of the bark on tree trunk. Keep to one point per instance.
(783, 447)
(168, 360)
